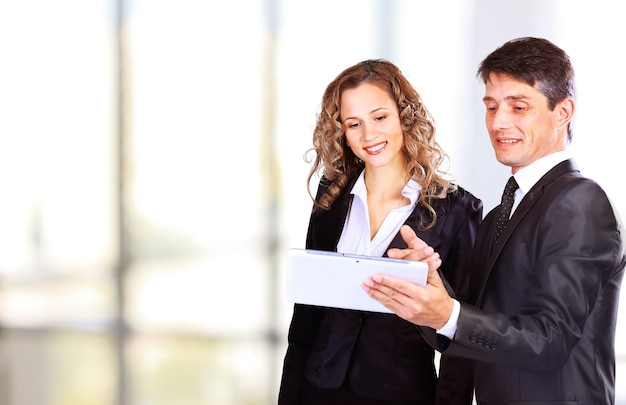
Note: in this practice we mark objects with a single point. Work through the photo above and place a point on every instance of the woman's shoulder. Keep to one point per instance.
(460, 204)
(463, 197)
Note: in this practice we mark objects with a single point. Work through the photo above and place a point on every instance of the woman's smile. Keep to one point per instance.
(376, 149)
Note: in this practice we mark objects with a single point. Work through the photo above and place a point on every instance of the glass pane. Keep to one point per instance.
(65, 303)
(195, 371)
(223, 295)
(197, 126)
(200, 161)
(55, 149)
(56, 369)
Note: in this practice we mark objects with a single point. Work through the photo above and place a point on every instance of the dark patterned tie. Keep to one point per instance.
(504, 211)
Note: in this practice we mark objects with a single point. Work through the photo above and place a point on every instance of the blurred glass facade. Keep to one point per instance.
(152, 175)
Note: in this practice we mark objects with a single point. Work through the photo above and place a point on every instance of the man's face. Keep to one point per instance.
(521, 127)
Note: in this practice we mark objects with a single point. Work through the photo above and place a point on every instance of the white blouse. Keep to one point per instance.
(355, 238)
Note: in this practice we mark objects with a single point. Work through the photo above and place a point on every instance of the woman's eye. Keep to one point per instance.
(382, 117)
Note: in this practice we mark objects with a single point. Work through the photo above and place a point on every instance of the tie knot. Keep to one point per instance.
(511, 186)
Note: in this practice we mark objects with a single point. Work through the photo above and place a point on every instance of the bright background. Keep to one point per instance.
(152, 172)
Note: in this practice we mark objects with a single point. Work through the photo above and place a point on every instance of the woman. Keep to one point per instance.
(375, 147)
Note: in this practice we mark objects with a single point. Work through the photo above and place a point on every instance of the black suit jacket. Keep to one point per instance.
(543, 327)
(381, 355)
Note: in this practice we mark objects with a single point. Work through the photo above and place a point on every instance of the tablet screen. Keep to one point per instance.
(332, 279)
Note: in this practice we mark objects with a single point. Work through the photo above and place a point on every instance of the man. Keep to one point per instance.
(540, 319)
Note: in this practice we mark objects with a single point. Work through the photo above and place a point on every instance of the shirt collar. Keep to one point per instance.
(411, 190)
(529, 175)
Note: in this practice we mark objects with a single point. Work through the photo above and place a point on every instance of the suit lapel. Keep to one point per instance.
(417, 216)
(325, 227)
(486, 261)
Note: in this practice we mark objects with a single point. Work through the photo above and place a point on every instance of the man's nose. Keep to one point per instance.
(500, 119)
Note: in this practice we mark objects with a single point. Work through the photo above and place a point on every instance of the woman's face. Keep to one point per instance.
(371, 123)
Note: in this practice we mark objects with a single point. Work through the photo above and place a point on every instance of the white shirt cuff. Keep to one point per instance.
(449, 329)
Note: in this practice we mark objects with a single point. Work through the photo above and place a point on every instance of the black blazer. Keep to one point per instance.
(382, 355)
(543, 327)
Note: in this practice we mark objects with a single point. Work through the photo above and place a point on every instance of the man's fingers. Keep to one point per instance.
(379, 283)
(434, 262)
(433, 277)
(382, 293)
(411, 239)
(417, 249)
(385, 286)
(396, 253)
(424, 254)
(394, 294)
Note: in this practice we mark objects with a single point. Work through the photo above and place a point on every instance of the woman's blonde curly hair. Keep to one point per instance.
(336, 161)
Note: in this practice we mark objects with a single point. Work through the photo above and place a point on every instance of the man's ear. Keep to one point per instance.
(565, 110)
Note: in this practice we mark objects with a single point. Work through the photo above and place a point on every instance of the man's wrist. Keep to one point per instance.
(449, 329)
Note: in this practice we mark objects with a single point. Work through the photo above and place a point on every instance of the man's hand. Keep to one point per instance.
(417, 250)
(428, 305)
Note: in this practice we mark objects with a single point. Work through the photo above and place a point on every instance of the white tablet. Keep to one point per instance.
(333, 279)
